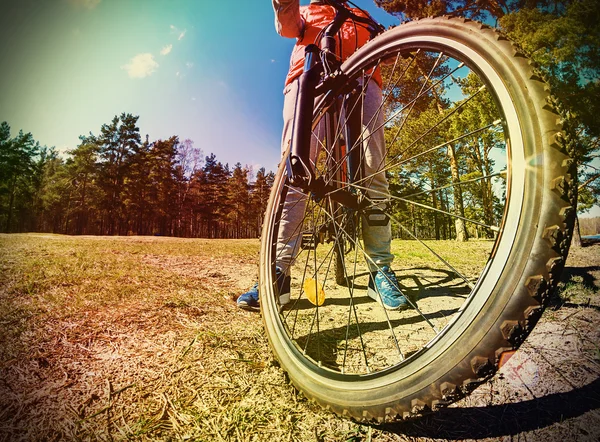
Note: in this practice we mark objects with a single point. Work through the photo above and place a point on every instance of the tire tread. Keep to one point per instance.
(552, 246)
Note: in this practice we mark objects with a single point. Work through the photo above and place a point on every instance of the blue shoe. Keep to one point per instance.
(249, 300)
(383, 288)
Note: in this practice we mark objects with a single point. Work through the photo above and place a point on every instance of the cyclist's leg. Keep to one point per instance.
(377, 239)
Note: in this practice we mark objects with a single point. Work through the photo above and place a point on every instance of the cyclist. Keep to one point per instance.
(305, 23)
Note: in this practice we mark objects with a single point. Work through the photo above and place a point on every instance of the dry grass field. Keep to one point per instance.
(139, 338)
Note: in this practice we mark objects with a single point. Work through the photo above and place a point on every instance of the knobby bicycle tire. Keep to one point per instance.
(526, 256)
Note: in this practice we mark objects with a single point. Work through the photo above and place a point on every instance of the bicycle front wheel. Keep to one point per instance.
(480, 207)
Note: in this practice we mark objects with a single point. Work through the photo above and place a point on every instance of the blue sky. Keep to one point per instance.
(207, 70)
(211, 71)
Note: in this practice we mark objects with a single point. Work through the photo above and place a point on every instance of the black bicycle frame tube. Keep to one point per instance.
(328, 39)
(300, 171)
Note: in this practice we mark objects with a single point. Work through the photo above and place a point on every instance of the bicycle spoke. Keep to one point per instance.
(419, 95)
(330, 315)
(365, 256)
(398, 198)
(351, 310)
(446, 117)
(461, 183)
(456, 272)
(397, 161)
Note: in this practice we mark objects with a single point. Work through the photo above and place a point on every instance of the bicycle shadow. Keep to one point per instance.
(577, 275)
(446, 285)
(435, 282)
(510, 419)
(501, 420)
(326, 347)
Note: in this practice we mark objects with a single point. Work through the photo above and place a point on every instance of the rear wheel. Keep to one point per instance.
(474, 151)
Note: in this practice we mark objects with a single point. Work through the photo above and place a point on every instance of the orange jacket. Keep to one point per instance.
(316, 17)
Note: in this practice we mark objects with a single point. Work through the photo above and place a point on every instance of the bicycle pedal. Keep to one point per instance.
(309, 241)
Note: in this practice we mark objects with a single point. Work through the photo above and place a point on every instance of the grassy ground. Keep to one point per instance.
(139, 338)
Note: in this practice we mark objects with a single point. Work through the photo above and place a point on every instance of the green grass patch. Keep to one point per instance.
(139, 338)
(575, 289)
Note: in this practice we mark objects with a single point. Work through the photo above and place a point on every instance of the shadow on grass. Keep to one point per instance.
(447, 285)
(497, 421)
(502, 420)
(583, 276)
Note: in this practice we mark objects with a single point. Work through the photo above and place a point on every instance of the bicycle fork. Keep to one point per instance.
(300, 170)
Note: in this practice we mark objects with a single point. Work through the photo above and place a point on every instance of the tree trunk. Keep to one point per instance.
(414, 220)
(488, 208)
(13, 187)
(482, 164)
(576, 240)
(459, 209)
(434, 203)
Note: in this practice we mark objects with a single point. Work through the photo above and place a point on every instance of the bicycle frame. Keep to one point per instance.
(320, 75)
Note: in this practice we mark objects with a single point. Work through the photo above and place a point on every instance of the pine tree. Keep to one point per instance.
(260, 191)
(162, 160)
(58, 196)
(17, 166)
(215, 203)
(238, 197)
(82, 170)
(563, 38)
(117, 142)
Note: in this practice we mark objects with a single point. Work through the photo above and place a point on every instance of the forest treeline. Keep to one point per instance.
(114, 183)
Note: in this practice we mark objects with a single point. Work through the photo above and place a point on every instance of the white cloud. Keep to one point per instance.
(89, 4)
(141, 66)
(189, 64)
(180, 33)
(166, 49)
